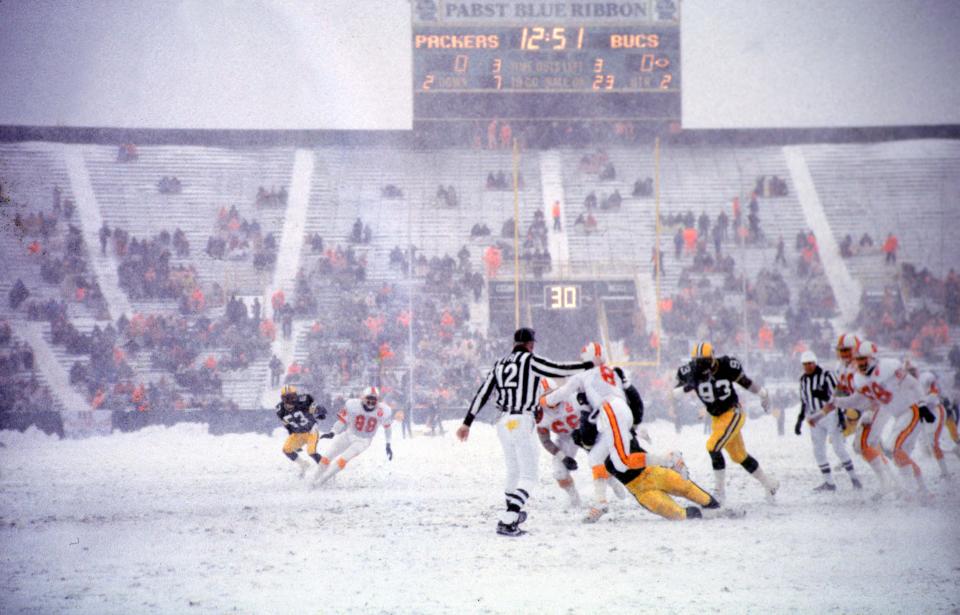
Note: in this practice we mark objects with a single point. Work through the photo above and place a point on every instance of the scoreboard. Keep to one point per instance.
(563, 311)
(547, 61)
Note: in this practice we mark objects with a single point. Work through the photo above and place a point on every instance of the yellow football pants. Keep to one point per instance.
(655, 485)
(952, 428)
(726, 434)
(295, 442)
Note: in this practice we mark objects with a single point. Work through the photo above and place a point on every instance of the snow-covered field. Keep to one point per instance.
(173, 520)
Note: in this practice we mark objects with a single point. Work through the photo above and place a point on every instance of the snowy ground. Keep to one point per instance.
(173, 520)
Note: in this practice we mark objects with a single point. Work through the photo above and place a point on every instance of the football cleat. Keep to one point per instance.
(595, 513)
(856, 483)
(723, 513)
(509, 529)
(826, 487)
(521, 517)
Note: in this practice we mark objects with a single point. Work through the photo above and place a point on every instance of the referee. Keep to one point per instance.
(816, 387)
(516, 379)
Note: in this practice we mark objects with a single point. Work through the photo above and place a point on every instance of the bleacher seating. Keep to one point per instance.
(862, 187)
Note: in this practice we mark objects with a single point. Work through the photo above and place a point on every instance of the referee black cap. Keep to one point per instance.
(523, 335)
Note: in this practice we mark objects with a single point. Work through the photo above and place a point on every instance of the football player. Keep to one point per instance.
(895, 396)
(713, 379)
(299, 414)
(933, 401)
(846, 368)
(560, 420)
(640, 472)
(584, 434)
(357, 424)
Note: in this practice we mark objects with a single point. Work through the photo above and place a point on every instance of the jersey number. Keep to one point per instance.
(879, 393)
(508, 376)
(706, 390)
(607, 374)
(572, 420)
(362, 423)
(297, 418)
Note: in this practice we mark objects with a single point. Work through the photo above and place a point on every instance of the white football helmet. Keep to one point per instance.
(865, 355)
(371, 395)
(593, 352)
(846, 344)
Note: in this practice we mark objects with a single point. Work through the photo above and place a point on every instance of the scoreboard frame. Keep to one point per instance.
(584, 61)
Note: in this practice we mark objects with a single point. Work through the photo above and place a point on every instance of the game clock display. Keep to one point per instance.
(547, 72)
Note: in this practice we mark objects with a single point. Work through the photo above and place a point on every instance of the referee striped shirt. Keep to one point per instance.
(820, 380)
(516, 379)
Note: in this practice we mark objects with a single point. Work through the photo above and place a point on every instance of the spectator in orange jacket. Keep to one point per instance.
(890, 249)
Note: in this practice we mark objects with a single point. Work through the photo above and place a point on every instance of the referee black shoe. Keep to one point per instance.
(509, 529)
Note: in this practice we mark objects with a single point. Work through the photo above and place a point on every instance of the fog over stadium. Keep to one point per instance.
(483, 306)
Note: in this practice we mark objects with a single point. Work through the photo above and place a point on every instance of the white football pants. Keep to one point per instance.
(828, 428)
(520, 454)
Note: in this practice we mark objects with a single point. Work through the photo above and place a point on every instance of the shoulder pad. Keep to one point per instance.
(731, 362)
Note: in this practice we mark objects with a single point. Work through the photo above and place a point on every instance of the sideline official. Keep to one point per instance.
(516, 379)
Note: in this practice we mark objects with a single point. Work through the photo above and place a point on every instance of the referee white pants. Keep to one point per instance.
(828, 428)
(520, 454)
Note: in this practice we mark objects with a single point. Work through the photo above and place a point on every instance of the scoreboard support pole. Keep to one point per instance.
(656, 212)
(516, 234)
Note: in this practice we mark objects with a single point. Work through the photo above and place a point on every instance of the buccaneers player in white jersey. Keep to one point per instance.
(895, 396)
(846, 368)
(569, 415)
(357, 424)
(932, 430)
(560, 420)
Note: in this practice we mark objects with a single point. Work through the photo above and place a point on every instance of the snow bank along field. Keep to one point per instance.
(173, 520)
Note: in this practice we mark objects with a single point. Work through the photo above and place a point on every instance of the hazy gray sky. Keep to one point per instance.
(346, 64)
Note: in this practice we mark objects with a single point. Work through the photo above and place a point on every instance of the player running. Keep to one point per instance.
(357, 424)
(713, 379)
(299, 414)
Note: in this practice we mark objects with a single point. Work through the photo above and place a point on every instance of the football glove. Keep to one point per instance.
(569, 463)
(389, 452)
(321, 413)
(327, 435)
(764, 400)
(577, 437)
